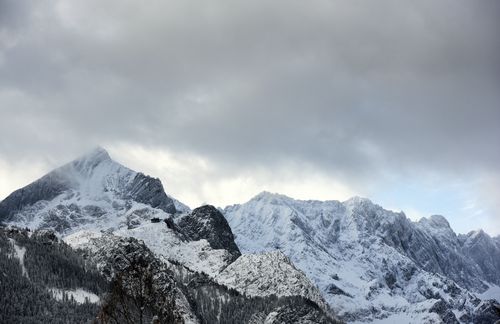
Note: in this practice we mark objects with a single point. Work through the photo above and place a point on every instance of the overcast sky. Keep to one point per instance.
(397, 101)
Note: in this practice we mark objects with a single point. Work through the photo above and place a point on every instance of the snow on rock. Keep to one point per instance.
(166, 244)
(128, 256)
(196, 255)
(98, 205)
(408, 318)
(94, 195)
(79, 295)
(180, 207)
(269, 273)
(81, 239)
(369, 263)
(92, 190)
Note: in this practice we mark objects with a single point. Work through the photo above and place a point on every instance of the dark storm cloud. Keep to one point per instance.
(359, 89)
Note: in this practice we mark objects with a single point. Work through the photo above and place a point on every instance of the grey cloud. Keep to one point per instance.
(358, 89)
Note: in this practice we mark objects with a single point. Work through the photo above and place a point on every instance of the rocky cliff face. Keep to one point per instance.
(208, 223)
(485, 252)
(371, 263)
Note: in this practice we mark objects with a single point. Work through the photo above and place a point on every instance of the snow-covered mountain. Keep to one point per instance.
(301, 259)
(94, 200)
(372, 264)
(92, 189)
(95, 194)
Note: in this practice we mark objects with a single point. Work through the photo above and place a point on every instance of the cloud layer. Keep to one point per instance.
(374, 98)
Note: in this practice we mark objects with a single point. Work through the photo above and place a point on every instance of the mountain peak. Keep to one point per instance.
(92, 176)
(357, 200)
(477, 234)
(96, 155)
(269, 195)
(436, 221)
(85, 165)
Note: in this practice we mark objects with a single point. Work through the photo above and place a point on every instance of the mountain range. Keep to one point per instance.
(273, 259)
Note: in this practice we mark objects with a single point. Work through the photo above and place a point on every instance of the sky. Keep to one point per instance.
(397, 101)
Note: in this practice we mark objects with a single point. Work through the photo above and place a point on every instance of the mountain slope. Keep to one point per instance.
(282, 279)
(42, 280)
(485, 252)
(174, 293)
(95, 194)
(86, 190)
(96, 204)
(369, 263)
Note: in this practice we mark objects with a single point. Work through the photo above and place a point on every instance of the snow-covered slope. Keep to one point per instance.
(166, 244)
(369, 263)
(94, 197)
(281, 279)
(198, 298)
(93, 190)
(95, 194)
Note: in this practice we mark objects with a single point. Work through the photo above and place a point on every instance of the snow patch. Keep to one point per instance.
(81, 239)
(19, 254)
(493, 292)
(79, 295)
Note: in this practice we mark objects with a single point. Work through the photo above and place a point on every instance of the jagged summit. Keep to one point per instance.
(439, 219)
(273, 196)
(270, 195)
(91, 185)
(96, 153)
(477, 234)
(95, 172)
(357, 200)
(435, 221)
(91, 159)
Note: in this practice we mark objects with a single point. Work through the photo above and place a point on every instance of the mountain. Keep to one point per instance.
(114, 279)
(84, 191)
(95, 194)
(124, 222)
(373, 264)
(173, 293)
(271, 260)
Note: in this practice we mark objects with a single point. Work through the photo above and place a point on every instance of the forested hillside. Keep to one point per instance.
(38, 274)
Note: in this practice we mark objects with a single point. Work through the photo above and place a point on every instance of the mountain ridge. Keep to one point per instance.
(95, 199)
(386, 253)
(368, 263)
